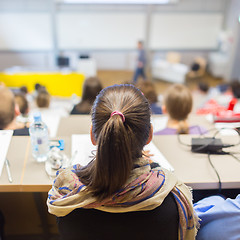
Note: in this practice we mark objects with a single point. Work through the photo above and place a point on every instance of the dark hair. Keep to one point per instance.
(24, 90)
(235, 86)
(37, 86)
(43, 98)
(149, 92)
(204, 87)
(119, 142)
(92, 86)
(178, 102)
(22, 103)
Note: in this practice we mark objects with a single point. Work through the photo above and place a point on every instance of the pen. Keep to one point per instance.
(8, 170)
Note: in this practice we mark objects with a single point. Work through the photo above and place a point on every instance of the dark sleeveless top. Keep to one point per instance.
(91, 224)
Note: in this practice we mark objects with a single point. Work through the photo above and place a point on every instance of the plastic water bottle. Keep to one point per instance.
(39, 138)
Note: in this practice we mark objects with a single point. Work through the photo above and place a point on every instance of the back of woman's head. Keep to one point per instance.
(43, 99)
(22, 102)
(120, 137)
(92, 86)
(178, 102)
(149, 91)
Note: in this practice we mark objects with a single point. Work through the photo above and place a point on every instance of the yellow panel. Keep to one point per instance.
(62, 85)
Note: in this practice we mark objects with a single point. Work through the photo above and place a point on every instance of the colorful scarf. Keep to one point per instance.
(146, 189)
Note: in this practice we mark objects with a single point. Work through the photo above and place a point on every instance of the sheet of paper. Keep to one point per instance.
(158, 156)
(83, 151)
(5, 139)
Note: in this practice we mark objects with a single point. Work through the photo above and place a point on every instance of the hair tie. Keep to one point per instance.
(118, 113)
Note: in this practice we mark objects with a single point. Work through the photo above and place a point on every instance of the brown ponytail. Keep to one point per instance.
(119, 143)
(183, 128)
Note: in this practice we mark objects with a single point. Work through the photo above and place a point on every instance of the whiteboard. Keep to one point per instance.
(100, 30)
(25, 31)
(185, 31)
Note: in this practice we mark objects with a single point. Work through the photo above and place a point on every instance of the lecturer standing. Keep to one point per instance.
(141, 63)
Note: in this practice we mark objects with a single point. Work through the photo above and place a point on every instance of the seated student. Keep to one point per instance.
(23, 105)
(44, 105)
(220, 218)
(149, 92)
(37, 87)
(92, 86)
(235, 88)
(178, 105)
(50, 112)
(22, 102)
(43, 98)
(117, 195)
(8, 113)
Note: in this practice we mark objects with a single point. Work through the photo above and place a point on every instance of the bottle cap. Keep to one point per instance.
(37, 117)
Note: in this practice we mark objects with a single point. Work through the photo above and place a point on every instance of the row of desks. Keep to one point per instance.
(192, 168)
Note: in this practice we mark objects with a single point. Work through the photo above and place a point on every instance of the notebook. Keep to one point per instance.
(83, 151)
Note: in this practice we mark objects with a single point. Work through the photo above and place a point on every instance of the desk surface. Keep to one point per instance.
(74, 124)
(17, 156)
(194, 169)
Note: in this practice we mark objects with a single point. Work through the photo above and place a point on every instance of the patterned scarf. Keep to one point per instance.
(146, 189)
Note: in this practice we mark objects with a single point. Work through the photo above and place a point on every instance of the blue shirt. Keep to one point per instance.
(220, 218)
(142, 57)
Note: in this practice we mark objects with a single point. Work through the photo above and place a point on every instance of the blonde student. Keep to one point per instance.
(118, 195)
(177, 104)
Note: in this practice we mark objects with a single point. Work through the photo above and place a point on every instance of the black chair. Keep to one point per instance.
(91, 224)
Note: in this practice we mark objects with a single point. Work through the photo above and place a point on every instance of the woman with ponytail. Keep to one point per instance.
(178, 105)
(118, 195)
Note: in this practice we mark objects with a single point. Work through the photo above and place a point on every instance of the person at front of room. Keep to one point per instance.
(119, 184)
(9, 110)
(141, 63)
(177, 104)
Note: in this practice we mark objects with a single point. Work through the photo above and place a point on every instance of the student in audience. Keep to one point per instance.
(220, 218)
(178, 105)
(235, 88)
(141, 63)
(117, 195)
(22, 102)
(43, 99)
(51, 112)
(149, 92)
(23, 105)
(9, 110)
(92, 86)
(37, 87)
(23, 90)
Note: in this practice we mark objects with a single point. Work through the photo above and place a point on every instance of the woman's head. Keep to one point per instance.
(120, 138)
(22, 102)
(178, 102)
(43, 99)
(92, 86)
(149, 91)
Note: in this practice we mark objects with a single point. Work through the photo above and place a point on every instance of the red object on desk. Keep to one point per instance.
(220, 113)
